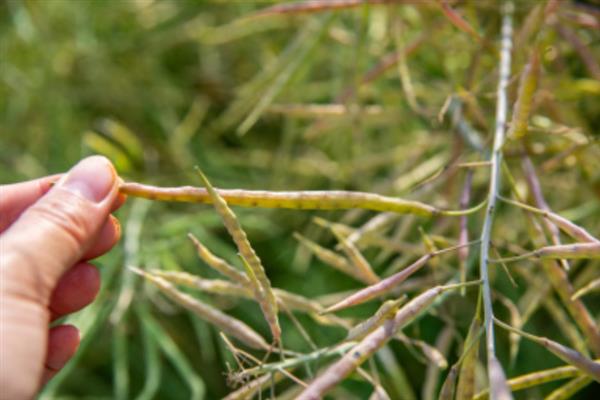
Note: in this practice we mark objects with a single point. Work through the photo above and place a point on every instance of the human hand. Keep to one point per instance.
(47, 235)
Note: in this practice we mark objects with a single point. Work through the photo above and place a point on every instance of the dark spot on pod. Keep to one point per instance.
(356, 355)
(253, 203)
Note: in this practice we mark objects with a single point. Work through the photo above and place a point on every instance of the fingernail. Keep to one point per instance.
(92, 178)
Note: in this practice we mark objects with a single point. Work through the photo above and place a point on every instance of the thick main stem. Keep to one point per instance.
(495, 161)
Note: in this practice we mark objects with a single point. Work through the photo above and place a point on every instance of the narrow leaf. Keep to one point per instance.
(527, 88)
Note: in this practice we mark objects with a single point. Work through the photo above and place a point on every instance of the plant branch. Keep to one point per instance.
(496, 160)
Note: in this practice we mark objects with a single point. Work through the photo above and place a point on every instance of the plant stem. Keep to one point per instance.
(302, 359)
(495, 161)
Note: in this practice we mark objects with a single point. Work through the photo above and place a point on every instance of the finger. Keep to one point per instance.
(109, 235)
(17, 197)
(63, 341)
(55, 232)
(76, 289)
(119, 201)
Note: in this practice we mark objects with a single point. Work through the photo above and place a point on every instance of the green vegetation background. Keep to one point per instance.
(160, 86)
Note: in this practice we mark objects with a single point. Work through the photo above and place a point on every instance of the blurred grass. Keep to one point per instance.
(159, 86)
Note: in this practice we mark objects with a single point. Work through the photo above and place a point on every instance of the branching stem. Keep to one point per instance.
(495, 161)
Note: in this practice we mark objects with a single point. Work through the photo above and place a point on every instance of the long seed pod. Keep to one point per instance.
(343, 229)
(330, 258)
(386, 284)
(575, 231)
(356, 258)
(261, 298)
(527, 88)
(585, 365)
(370, 239)
(303, 200)
(569, 251)
(386, 311)
(557, 275)
(247, 253)
(231, 326)
(383, 286)
(217, 263)
(463, 238)
(373, 342)
(498, 387)
(568, 390)
(535, 379)
(291, 301)
(214, 286)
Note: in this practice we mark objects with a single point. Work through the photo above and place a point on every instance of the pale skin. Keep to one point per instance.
(48, 235)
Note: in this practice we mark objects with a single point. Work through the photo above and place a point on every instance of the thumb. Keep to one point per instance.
(54, 233)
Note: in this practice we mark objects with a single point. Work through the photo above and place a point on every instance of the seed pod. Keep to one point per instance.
(585, 365)
(388, 283)
(302, 200)
(463, 253)
(231, 326)
(265, 296)
(330, 258)
(217, 263)
(379, 288)
(373, 342)
(575, 250)
(499, 389)
(215, 286)
(535, 379)
(568, 251)
(386, 311)
(356, 258)
(291, 301)
(570, 228)
(568, 390)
